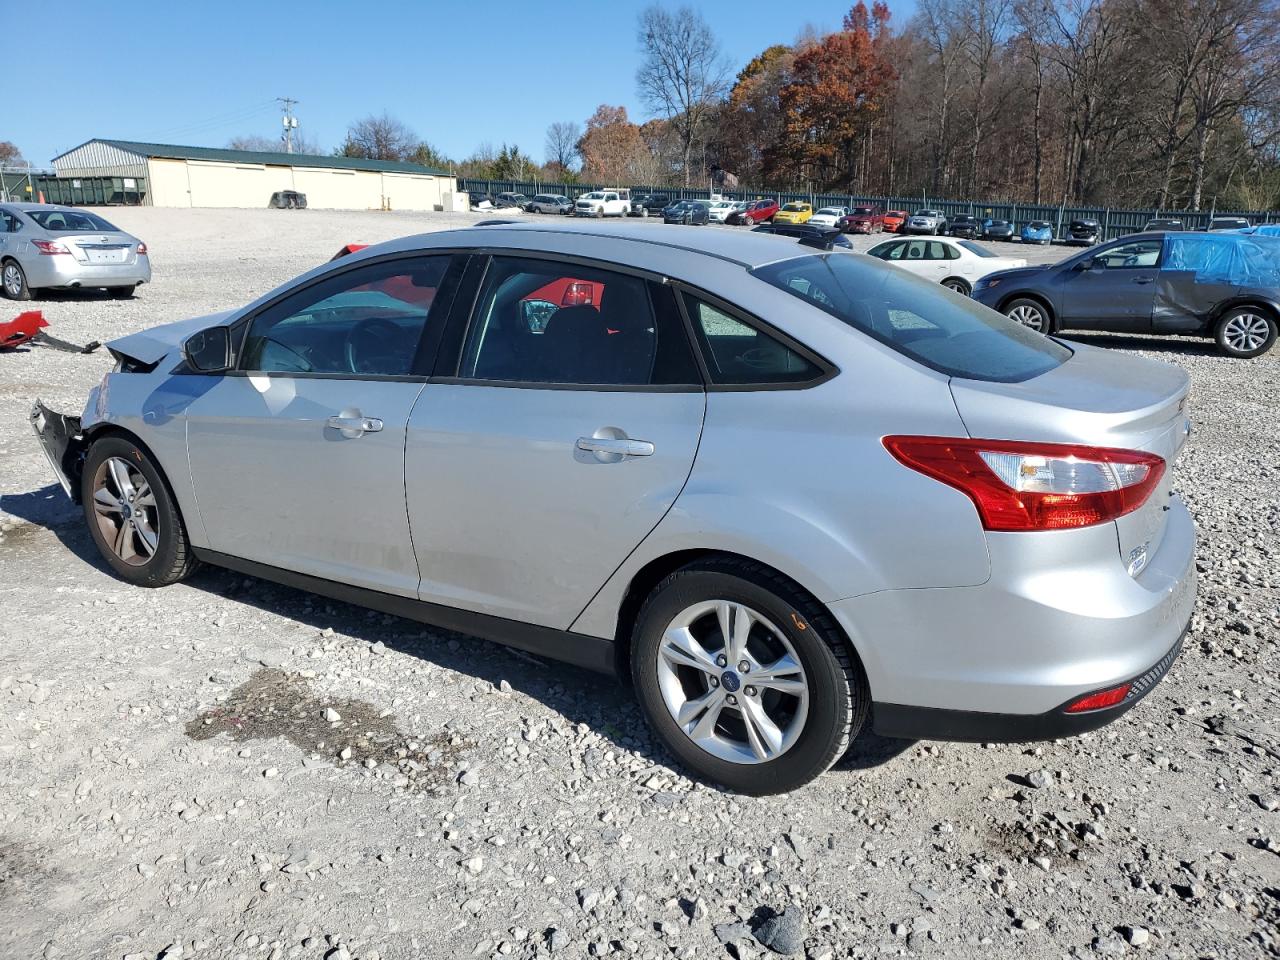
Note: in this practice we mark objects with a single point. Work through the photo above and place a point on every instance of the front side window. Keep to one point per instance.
(737, 353)
(362, 322)
(954, 336)
(70, 220)
(543, 321)
(1137, 254)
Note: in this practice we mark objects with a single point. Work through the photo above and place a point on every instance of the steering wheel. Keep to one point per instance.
(371, 331)
(1131, 260)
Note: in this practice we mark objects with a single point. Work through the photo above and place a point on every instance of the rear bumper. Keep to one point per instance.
(66, 271)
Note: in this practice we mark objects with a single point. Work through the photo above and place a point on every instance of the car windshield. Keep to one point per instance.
(862, 211)
(594, 196)
(1038, 225)
(830, 212)
(913, 316)
(975, 249)
(69, 220)
(926, 213)
(999, 223)
(961, 218)
(794, 206)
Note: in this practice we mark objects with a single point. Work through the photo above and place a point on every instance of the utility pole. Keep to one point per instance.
(290, 122)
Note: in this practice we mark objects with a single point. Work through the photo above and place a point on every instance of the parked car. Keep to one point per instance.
(964, 225)
(1225, 286)
(689, 212)
(551, 203)
(603, 203)
(288, 200)
(997, 230)
(764, 613)
(1166, 223)
(509, 199)
(1228, 223)
(829, 216)
(956, 264)
(757, 211)
(862, 220)
(822, 238)
(48, 246)
(894, 220)
(649, 205)
(718, 210)
(1037, 231)
(1084, 231)
(794, 213)
(479, 201)
(926, 221)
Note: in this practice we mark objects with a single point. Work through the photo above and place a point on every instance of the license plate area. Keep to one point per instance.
(105, 254)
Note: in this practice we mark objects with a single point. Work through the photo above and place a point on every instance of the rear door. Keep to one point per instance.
(1117, 290)
(559, 429)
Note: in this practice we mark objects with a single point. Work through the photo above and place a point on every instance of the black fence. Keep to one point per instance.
(1115, 222)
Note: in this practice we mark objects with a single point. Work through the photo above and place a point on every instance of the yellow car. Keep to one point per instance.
(793, 213)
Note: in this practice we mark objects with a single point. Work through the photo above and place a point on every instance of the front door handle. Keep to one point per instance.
(352, 426)
(613, 449)
(1144, 279)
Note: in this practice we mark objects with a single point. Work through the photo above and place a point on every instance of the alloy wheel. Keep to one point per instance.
(958, 286)
(125, 508)
(1246, 332)
(12, 280)
(1029, 316)
(732, 682)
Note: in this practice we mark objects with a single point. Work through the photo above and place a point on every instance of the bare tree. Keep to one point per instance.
(985, 30)
(379, 138)
(301, 143)
(562, 143)
(682, 74)
(940, 27)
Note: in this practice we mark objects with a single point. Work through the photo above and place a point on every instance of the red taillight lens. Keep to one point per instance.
(1035, 486)
(577, 294)
(142, 249)
(49, 248)
(1100, 700)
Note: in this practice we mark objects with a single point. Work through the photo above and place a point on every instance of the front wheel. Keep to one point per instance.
(1029, 313)
(1245, 332)
(132, 516)
(15, 281)
(746, 678)
(599, 213)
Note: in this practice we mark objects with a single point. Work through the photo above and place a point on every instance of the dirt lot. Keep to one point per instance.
(170, 785)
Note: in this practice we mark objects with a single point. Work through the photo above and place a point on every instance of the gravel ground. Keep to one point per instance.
(230, 769)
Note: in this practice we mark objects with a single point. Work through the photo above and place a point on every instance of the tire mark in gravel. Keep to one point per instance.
(21, 868)
(272, 703)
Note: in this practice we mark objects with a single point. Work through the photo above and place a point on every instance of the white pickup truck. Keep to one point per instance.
(603, 203)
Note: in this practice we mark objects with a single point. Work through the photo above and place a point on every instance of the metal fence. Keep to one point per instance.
(1115, 222)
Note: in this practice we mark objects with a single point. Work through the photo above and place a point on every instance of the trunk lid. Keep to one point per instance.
(100, 248)
(1101, 398)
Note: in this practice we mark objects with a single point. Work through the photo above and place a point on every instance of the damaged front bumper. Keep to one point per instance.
(63, 445)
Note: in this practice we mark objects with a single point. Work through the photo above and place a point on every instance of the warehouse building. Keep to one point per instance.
(165, 175)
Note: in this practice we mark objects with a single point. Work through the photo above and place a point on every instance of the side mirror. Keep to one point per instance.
(208, 351)
(1085, 264)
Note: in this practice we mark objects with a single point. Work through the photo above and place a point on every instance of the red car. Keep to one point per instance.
(758, 211)
(894, 219)
(862, 220)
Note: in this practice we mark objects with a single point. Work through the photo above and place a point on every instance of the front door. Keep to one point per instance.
(297, 458)
(566, 434)
(1117, 289)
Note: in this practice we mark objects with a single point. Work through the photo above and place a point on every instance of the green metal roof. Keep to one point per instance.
(280, 158)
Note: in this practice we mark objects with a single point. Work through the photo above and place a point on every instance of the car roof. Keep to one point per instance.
(25, 206)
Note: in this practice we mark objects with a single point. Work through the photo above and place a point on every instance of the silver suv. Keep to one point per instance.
(784, 492)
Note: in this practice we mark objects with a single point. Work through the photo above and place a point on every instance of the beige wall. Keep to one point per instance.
(204, 183)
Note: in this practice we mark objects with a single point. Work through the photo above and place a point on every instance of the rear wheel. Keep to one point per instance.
(15, 281)
(1029, 313)
(958, 284)
(745, 677)
(1245, 332)
(120, 293)
(132, 516)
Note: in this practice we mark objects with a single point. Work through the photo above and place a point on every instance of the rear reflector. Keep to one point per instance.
(1035, 486)
(1100, 700)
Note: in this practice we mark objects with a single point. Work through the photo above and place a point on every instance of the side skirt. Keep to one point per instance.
(591, 653)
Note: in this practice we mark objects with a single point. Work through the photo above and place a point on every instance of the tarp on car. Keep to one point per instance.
(1250, 260)
(1264, 230)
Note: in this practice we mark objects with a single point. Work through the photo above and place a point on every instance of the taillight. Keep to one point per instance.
(577, 294)
(49, 248)
(142, 249)
(1035, 486)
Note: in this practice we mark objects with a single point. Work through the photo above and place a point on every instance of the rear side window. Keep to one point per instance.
(952, 335)
(738, 354)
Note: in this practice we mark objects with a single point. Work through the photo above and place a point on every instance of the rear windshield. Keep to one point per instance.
(917, 318)
(69, 220)
(976, 249)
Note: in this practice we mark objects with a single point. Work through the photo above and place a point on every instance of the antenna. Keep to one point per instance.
(289, 121)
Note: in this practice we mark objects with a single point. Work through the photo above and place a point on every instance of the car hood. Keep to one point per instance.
(154, 344)
(1016, 273)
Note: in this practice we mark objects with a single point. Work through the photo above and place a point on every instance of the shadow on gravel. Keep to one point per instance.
(1183, 346)
(51, 508)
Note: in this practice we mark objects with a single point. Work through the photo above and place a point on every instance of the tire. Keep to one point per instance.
(748, 222)
(644, 212)
(599, 213)
(1245, 332)
(958, 284)
(121, 293)
(14, 281)
(813, 728)
(171, 558)
(1030, 313)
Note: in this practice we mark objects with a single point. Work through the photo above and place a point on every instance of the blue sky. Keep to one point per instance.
(201, 71)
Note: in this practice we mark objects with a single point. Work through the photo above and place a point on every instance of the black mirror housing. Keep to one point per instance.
(209, 351)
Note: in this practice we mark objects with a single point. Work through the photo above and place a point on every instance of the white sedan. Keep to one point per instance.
(828, 216)
(956, 264)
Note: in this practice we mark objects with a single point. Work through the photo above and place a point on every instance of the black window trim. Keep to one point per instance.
(427, 343)
(1126, 241)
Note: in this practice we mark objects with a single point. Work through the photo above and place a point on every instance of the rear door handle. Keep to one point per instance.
(354, 426)
(612, 449)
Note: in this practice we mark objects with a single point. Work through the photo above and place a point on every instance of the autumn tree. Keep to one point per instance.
(751, 119)
(10, 154)
(611, 146)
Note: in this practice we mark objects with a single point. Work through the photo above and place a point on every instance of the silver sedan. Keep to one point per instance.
(785, 492)
(49, 246)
